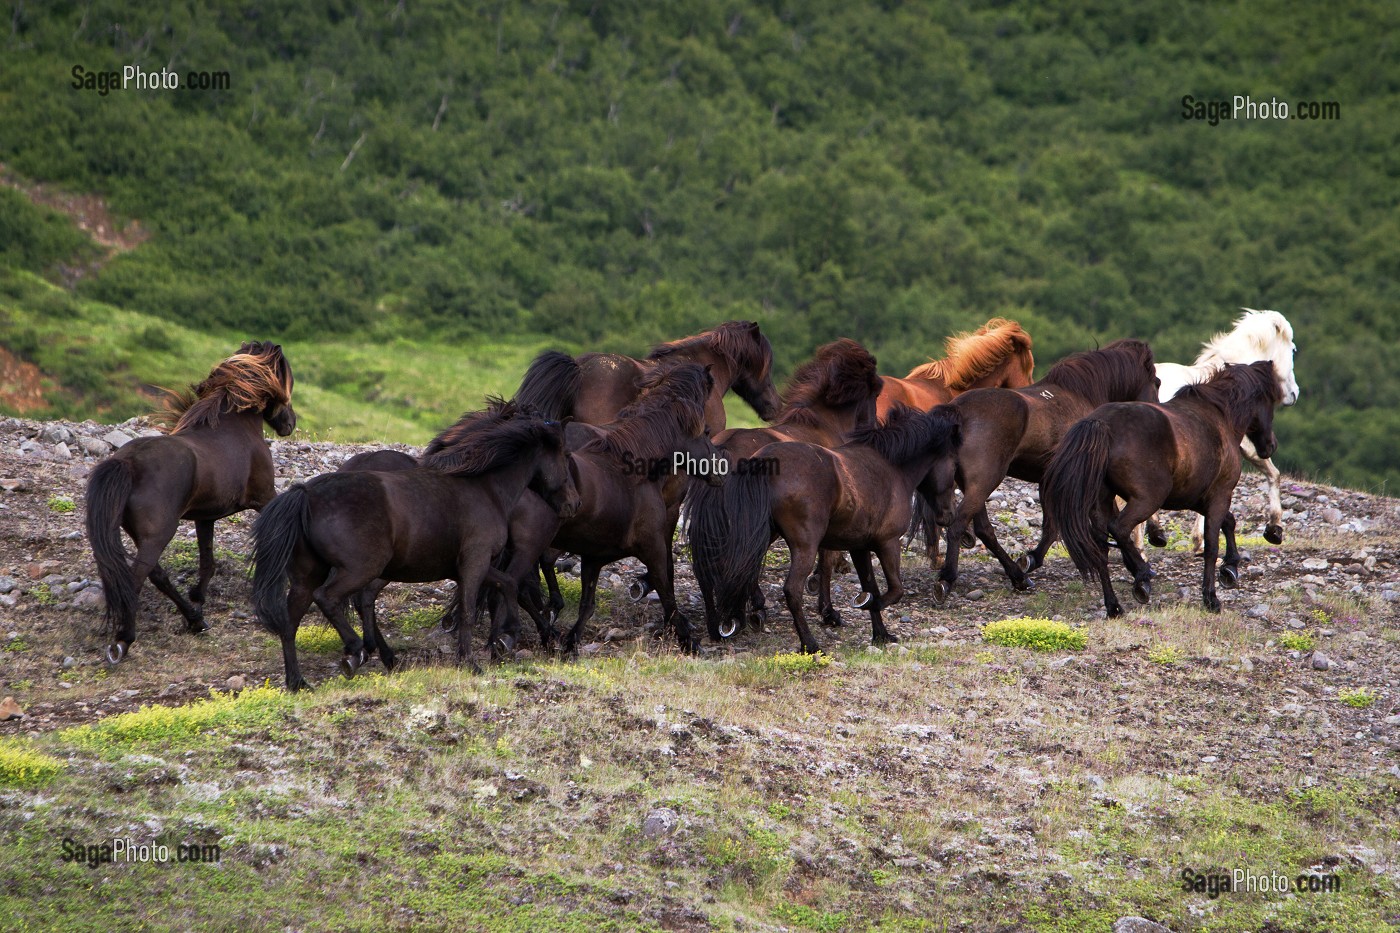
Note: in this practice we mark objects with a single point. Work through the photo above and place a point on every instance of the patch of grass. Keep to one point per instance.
(795, 664)
(61, 504)
(1296, 641)
(319, 637)
(1165, 654)
(1360, 698)
(43, 594)
(252, 709)
(809, 918)
(1036, 634)
(416, 620)
(22, 766)
(16, 645)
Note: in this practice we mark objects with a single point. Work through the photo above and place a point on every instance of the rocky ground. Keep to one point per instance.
(1253, 701)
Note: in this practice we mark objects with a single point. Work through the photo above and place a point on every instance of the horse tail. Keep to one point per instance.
(550, 385)
(108, 489)
(280, 527)
(923, 523)
(1069, 494)
(730, 530)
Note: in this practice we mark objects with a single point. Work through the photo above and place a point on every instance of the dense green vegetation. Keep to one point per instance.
(611, 174)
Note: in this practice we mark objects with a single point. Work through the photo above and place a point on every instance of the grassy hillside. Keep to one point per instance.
(608, 175)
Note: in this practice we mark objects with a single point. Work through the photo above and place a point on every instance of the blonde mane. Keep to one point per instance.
(254, 377)
(969, 357)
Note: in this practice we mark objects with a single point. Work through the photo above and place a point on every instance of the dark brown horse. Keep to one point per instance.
(594, 387)
(997, 355)
(213, 463)
(828, 397)
(631, 495)
(337, 533)
(1013, 432)
(1183, 454)
(855, 498)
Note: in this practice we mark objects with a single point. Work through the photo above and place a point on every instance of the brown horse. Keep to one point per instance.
(337, 533)
(631, 494)
(1013, 432)
(828, 397)
(997, 355)
(855, 498)
(213, 463)
(1182, 454)
(594, 387)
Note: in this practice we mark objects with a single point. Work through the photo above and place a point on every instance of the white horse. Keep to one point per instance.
(1258, 335)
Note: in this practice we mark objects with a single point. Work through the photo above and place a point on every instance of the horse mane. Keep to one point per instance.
(482, 441)
(970, 356)
(740, 343)
(670, 409)
(1104, 373)
(1236, 389)
(255, 376)
(908, 433)
(1257, 335)
(839, 374)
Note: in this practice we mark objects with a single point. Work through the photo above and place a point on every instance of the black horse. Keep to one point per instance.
(213, 463)
(337, 533)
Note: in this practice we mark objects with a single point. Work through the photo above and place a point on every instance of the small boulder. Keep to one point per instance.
(660, 822)
(9, 709)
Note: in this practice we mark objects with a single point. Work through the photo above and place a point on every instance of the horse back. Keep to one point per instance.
(165, 478)
(608, 384)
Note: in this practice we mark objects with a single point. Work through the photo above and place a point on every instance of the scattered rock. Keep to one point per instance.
(8, 584)
(9, 709)
(1320, 661)
(236, 682)
(660, 822)
(69, 662)
(117, 438)
(1138, 925)
(974, 595)
(1314, 563)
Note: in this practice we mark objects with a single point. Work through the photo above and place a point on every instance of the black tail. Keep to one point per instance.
(730, 530)
(108, 489)
(550, 385)
(1070, 492)
(281, 525)
(923, 523)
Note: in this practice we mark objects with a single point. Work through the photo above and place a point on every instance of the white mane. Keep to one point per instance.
(1257, 335)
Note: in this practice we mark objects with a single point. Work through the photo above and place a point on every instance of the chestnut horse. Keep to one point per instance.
(997, 355)
(213, 463)
(1181, 454)
(594, 387)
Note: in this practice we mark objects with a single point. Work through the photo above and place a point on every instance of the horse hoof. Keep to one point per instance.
(1027, 563)
(448, 622)
(1229, 577)
(298, 685)
(940, 591)
(862, 600)
(887, 638)
(1023, 585)
(1142, 592)
(553, 616)
(1273, 534)
(636, 591)
(387, 659)
(1114, 611)
(727, 628)
(197, 625)
(1212, 603)
(757, 618)
(1156, 537)
(969, 540)
(116, 652)
(832, 618)
(352, 662)
(813, 584)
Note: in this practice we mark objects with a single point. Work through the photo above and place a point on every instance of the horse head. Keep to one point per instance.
(753, 374)
(553, 478)
(1273, 336)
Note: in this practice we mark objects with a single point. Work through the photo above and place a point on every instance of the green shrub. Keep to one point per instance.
(1037, 634)
(22, 766)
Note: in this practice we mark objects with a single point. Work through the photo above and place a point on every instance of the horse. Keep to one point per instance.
(1257, 335)
(333, 535)
(996, 355)
(594, 387)
(827, 398)
(630, 492)
(1013, 432)
(213, 463)
(1182, 454)
(854, 498)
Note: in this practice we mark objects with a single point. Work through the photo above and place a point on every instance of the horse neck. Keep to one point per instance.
(505, 484)
(1004, 376)
(247, 424)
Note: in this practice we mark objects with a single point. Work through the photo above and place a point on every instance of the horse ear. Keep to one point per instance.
(753, 327)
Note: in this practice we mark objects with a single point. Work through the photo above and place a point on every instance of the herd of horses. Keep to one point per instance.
(598, 455)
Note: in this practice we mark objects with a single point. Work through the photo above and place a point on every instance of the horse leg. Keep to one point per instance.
(974, 500)
(982, 525)
(505, 616)
(1273, 518)
(1035, 558)
(1230, 566)
(1121, 527)
(804, 559)
(588, 592)
(1214, 519)
(194, 618)
(298, 601)
(375, 643)
(825, 607)
(332, 598)
(204, 535)
(551, 580)
(1156, 536)
(660, 570)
